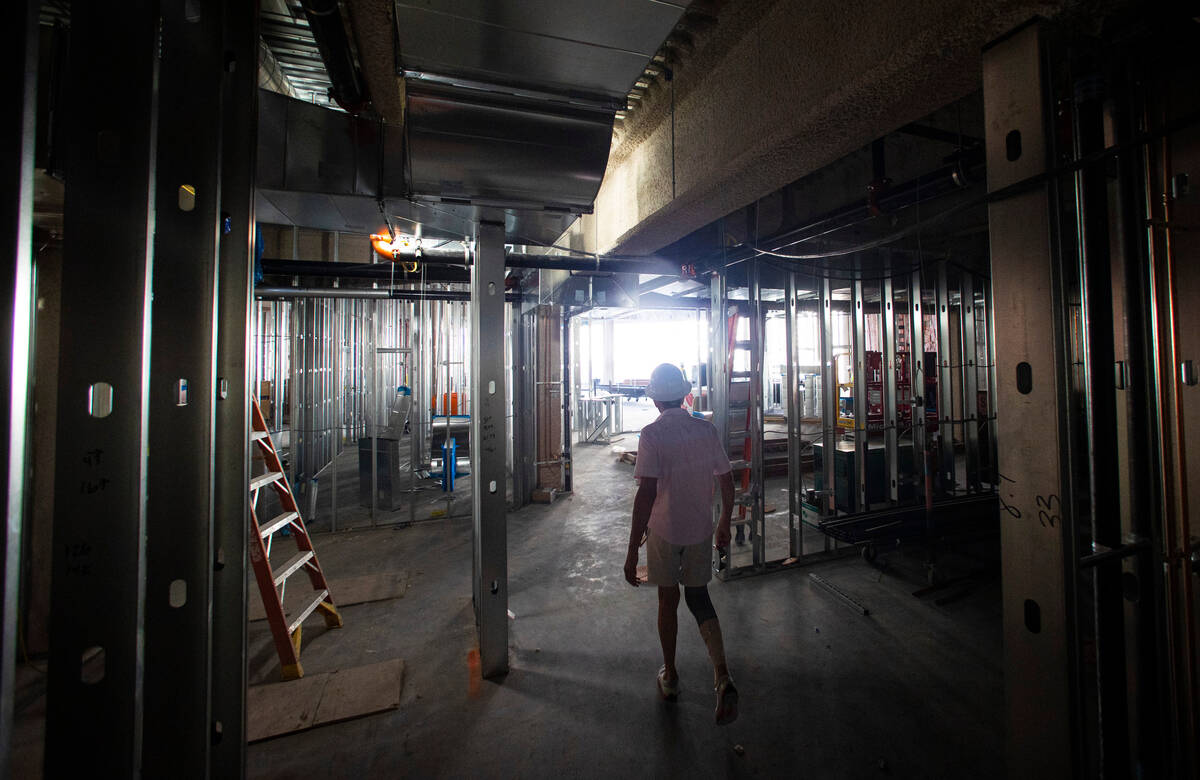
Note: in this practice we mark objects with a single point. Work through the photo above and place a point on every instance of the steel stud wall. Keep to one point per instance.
(97, 656)
(182, 392)
(18, 44)
(227, 732)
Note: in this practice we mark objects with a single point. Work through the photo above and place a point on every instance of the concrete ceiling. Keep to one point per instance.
(775, 91)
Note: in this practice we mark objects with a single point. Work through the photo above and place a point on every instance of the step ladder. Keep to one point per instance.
(273, 583)
(741, 391)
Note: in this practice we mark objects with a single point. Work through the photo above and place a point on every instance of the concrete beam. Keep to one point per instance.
(374, 24)
(776, 91)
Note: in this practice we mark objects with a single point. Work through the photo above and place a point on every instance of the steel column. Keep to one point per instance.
(95, 681)
(487, 448)
(1030, 376)
(182, 397)
(19, 53)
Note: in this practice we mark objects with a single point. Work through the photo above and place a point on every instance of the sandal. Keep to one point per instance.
(668, 690)
(727, 701)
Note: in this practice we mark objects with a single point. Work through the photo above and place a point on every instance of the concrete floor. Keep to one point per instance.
(913, 690)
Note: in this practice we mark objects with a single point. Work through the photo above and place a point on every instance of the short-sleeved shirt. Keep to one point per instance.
(683, 453)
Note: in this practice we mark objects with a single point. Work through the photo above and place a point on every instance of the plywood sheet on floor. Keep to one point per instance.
(319, 699)
(345, 591)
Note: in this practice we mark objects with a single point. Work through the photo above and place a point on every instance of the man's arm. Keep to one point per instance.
(643, 502)
(723, 535)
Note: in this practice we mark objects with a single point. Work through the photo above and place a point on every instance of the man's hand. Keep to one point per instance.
(723, 535)
(631, 561)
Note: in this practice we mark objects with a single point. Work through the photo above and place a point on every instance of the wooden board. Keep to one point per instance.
(345, 592)
(319, 699)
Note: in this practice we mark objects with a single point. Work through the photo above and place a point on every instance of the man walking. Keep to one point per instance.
(678, 458)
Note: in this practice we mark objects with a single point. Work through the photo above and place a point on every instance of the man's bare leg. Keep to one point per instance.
(710, 630)
(701, 606)
(668, 627)
(702, 609)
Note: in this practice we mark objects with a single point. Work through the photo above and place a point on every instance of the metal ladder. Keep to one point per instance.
(273, 584)
(750, 381)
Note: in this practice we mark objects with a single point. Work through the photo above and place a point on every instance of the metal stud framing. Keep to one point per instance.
(829, 398)
(719, 348)
(487, 448)
(227, 758)
(945, 384)
(859, 350)
(916, 356)
(94, 689)
(19, 52)
(756, 430)
(887, 314)
(1029, 371)
(793, 422)
(182, 393)
(970, 384)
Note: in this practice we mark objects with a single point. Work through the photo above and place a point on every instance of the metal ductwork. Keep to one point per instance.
(493, 150)
(329, 31)
(324, 169)
(471, 157)
(509, 115)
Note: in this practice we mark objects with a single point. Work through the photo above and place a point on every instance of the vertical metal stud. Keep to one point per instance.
(232, 421)
(829, 400)
(19, 52)
(179, 511)
(719, 350)
(487, 447)
(970, 385)
(946, 353)
(793, 420)
(887, 312)
(859, 358)
(917, 372)
(94, 687)
(567, 400)
(1034, 547)
(756, 430)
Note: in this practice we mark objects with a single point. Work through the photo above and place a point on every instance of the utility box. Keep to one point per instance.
(389, 476)
(844, 475)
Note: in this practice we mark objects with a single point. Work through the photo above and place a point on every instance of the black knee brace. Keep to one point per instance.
(700, 604)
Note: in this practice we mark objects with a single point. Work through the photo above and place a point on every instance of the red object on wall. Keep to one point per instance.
(931, 391)
(903, 391)
(874, 391)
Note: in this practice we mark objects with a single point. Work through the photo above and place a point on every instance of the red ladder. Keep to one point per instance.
(287, 635)
(732, 346)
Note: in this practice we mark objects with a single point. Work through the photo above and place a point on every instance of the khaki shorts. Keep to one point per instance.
(678, 564)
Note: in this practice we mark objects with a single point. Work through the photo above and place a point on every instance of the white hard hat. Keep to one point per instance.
(667, 383)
